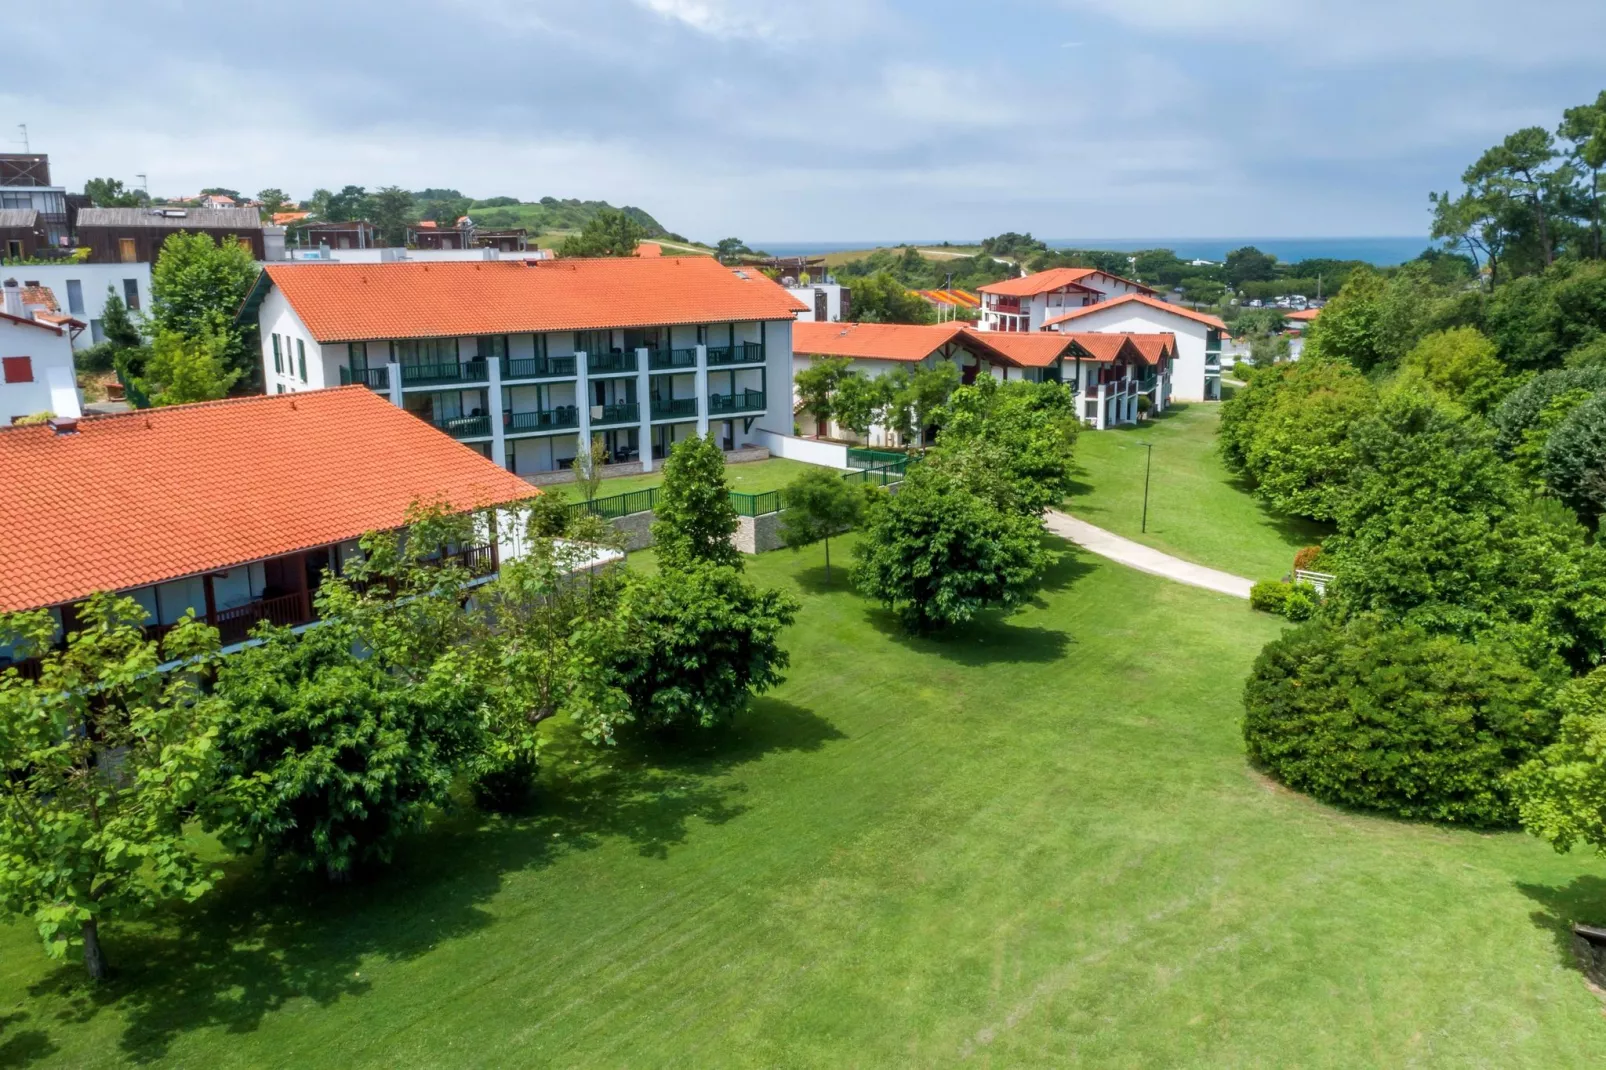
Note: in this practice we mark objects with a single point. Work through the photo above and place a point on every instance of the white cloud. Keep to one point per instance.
(771, 21)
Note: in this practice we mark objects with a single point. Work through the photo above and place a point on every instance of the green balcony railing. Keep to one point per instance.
(618, 414)
(1148, 383)
(538, 368)
(463, 371)
(740, 353)
(373, 378)
(464, 426)
(608, 363)
(671, 359)
(741, 401)
(669, 408)
(558, 419)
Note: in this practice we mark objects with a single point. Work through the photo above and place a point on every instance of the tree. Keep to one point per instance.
(349, 204)
(104, 759)
(110, 193)
(1027, 432)
(1575, 457)
(914, 399)
(1396, 720)
(816, 505)
(1561, 794)
(694, 515)
(881, 298)
(588, 466)
(1350, 326)
(180, 370)
(682, 650)
(610, 232)
(937, 553)
(1520, 171)
(1249, 264)
(197, 286)
(730, 249)
(1584, 128)
(1461, 364)
(816, 384)
(1520, 412)
(857, 403)
(318, 203)
(390, 209)
(273, 201)
(221, 191)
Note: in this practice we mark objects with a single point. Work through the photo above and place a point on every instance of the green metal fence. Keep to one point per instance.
(617, 505)
(756, 504)
(864, 458)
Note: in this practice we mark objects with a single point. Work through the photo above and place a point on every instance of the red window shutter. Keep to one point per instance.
(17, 369)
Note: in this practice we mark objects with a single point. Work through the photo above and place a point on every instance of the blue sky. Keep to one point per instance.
(819, 120)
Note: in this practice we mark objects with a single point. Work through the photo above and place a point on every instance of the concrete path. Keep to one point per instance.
(1144, 558)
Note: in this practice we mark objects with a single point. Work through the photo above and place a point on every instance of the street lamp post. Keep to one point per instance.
(1148, 463)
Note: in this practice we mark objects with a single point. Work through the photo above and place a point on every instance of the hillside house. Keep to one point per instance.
(526, 360)
(135, 235)
(1027, 303)
(1198, 337)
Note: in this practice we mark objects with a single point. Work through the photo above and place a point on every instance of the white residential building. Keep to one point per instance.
(1198, 335)
(1026, 303)
(80, 291)
(36, 362)
(826, 302)
(526, 360)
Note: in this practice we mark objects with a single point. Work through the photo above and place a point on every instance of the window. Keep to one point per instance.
(301, 357)
(491, 347)
(131, 294)
(97, 332)
(75, 297)
(278, 358)
(593, 341)
(279, 388)
(126, 252)
(17, 369)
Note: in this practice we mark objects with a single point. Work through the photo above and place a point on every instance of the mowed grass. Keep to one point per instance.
(1198, 510)
(750, 477)
(1034, 844)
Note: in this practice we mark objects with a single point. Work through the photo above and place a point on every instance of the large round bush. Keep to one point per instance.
(1396, 720)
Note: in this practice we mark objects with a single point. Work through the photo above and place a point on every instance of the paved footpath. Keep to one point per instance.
(1145, 558)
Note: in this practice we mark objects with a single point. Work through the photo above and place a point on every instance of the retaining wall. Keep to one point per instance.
(744, 455)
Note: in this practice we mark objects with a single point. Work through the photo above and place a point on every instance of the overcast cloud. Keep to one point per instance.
(818, 120)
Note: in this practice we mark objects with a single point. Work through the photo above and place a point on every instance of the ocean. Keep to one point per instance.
(1382, 251)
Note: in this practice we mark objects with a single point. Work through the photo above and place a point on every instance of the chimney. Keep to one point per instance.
(62, 425)
(13, 305)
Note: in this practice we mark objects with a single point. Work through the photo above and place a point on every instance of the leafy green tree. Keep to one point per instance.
(180, 370)
(390, 209)
(694, 515)
(682, 650)
(1575, 458)
(937, 553)
(1528, 458)
(882, 298)
(197, 286)
(1537, 320)
(816, 384)
(610, 232)
(1561, 794)
(730, 249)
(318, 203)
(1249, 265)
(1584, 128)
(1461, 364)
(1397, 720)
(273, 200)
(588, 466)
(857, 403)
(1520, 181)
(347, 205)
(1351, 325)
(221, 191)
(816, 505)
(1521, 411)
(110, 193)
(104, 759)
(122, 344)
(914, 399)
(1028, 432)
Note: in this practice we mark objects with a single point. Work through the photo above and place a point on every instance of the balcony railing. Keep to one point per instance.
(463, 371)
(741, 401)
(538, 368)
(564, 416)
(608, 363)
(287, 611)
(373, 378)
(616, 414)
(740, 353)
(669, 408)
(1148, 383)
(671, 359)
(464, 426)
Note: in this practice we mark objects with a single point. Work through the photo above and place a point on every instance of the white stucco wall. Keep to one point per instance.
(278, 319)
(1188, 374)
(92, 280)
(54, 387)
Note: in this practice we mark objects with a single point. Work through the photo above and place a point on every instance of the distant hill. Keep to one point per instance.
(549, 214)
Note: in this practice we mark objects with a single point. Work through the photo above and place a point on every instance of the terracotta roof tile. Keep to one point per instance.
(1105, 348)
(1027, 349)
(874, 341)
(1304, 315)
(40, 295)
(1154, 347)
(356, 302)
(1152, 302)
(1052, 279)
(158, 494)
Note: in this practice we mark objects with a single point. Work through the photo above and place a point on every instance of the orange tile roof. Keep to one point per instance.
(357, 302)
(1028, 349)
(1304, 316)
(159, 494)
(1052, 279)
(282, 218)
(41, 324)
(40, 295)
(649, 248)
(1152, 302)
(1105, 348)
(875, 341)
(1154, 347)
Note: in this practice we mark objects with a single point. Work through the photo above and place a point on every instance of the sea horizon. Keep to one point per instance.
(1381, 250)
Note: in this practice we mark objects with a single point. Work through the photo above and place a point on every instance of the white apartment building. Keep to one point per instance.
(81, 290)
(1198, 337)
(36, 362)
(526, 360)
(1027, 303)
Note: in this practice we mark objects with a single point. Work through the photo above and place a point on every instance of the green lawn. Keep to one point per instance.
(752, 477)
(1036, 844)
(1198, 510)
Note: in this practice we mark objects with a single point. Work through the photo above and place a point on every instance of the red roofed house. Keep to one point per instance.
(182, 508)
(36, 362)
(1197, 376)
(524, 360)
(1026, 303)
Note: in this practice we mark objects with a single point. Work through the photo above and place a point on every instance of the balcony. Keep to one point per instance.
(287, 611)
(741, 401)
(671, 408)
(373, 378)
(610, 363)
(562, 418)
(538, 368)
(465, 371)
(671, 359)
(609, 415)
(464, 426)
(1148, 383)
(740, 353)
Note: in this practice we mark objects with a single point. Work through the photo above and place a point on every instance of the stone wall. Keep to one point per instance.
(758, 534)
(637, 528)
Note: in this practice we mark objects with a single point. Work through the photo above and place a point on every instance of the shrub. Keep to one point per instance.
(1560, 793)
(1269, 596)
(1396, 720)
(1575, 458)
(1307, 557)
